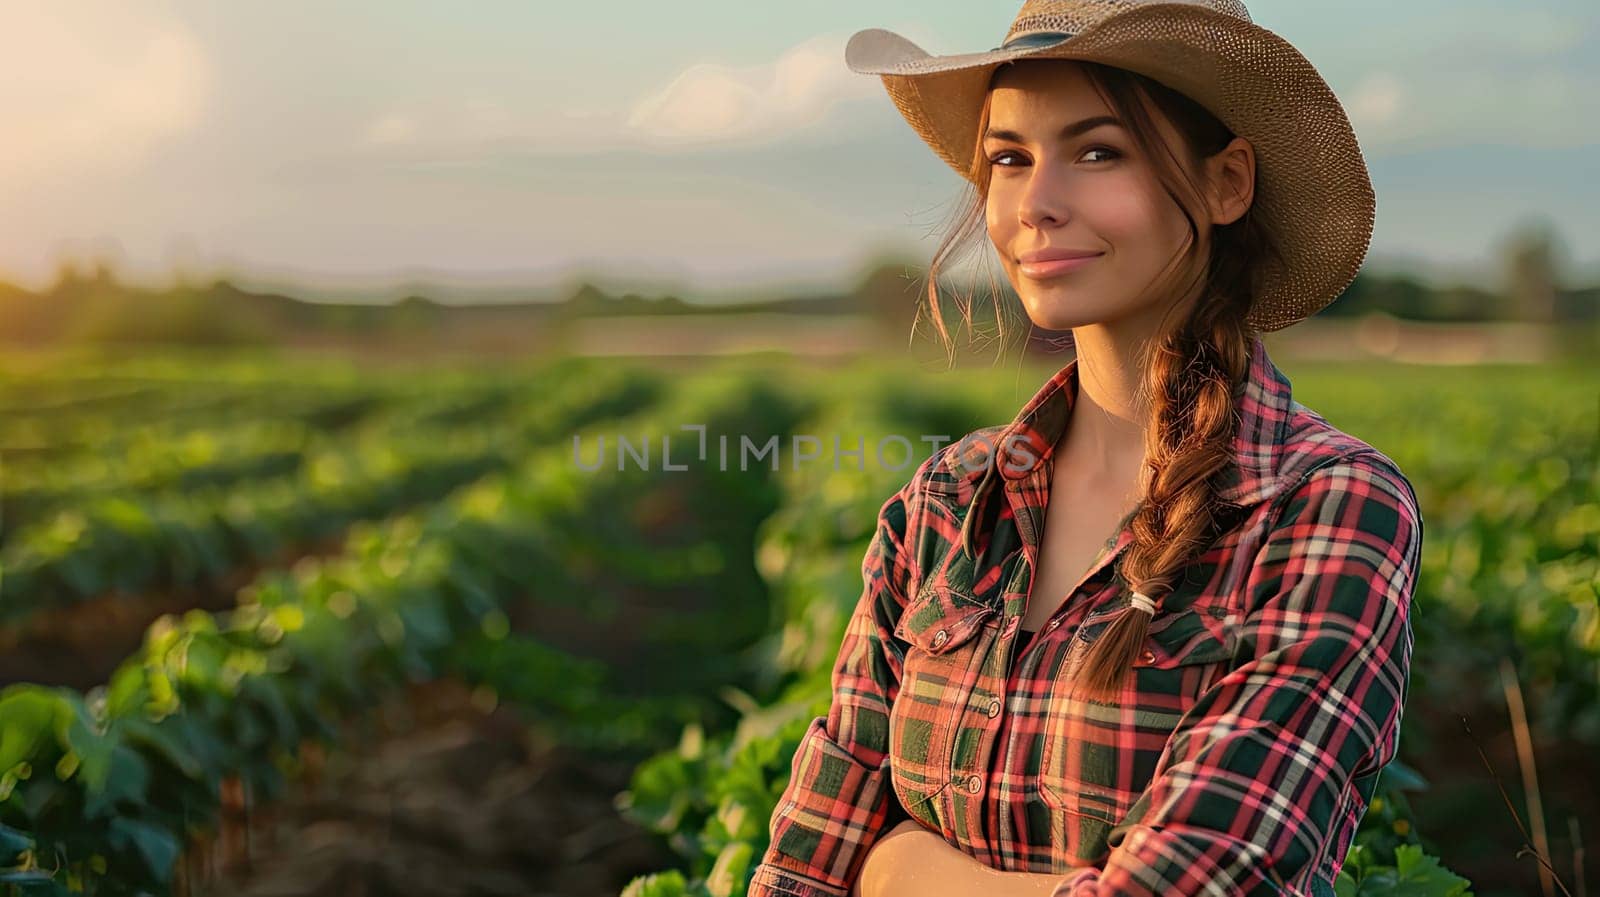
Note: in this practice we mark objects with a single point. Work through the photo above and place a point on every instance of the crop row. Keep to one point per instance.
(160, 458)
(132, 544)
(99, 792)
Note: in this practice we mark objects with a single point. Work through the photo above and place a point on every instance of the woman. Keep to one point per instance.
(1200, 704)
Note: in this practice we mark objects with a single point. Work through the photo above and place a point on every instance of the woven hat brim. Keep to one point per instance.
(1313, 188)
(876, 51)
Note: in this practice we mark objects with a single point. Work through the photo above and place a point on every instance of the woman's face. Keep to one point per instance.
(1057, 185)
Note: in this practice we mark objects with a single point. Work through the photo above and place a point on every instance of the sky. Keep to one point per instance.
(713, 144)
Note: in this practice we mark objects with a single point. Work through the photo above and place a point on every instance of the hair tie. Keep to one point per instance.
(1144, 602)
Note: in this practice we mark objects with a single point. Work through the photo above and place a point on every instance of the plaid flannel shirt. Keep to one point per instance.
(1250, 733)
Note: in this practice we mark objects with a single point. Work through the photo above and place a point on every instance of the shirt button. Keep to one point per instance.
(994, 709)
(974, 784)
(940, 637)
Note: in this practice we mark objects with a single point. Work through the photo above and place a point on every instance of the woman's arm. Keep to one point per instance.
(1265, 780)
(837, 802)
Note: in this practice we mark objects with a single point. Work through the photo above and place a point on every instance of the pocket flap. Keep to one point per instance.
(1192, 636)
(1180, 638)
(941, 619)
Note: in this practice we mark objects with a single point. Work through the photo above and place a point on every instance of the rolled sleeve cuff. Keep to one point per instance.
(1068, 887)
(774, 881)
(832, 810)
(1151, 863)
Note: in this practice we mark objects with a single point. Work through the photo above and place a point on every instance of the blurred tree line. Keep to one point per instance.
(93, 307)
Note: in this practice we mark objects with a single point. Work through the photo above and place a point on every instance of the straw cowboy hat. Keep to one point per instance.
(1312, 186)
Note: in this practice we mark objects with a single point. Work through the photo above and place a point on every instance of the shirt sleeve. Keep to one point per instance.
(838, 800)
(1266, 779)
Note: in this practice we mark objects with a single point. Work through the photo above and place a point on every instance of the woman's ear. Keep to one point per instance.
(1231, 173)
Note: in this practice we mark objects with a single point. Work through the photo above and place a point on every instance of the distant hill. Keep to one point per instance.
(97, 309)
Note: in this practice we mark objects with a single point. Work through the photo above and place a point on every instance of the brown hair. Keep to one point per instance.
(1193, 370)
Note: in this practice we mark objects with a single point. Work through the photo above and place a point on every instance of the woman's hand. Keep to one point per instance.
(913, 861)
(880, 862)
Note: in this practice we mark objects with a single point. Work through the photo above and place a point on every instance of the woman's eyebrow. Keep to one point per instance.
(1066, 133)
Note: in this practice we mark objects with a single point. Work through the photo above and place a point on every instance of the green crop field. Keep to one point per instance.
(214, 569)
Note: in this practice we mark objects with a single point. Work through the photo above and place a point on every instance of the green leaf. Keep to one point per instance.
(12, 843)
(127, 780)
(158, 847)
(661, 884)
(265, 691)
(1415, 874)
(159, 740)
(727, 877)
(662, 791)
(78, 730)
(28, 716)
(1423, 875)
(739, 821)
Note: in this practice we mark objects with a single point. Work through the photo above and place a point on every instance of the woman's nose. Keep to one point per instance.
(1043, 201)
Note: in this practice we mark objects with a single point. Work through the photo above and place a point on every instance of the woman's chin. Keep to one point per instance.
(1053, 316)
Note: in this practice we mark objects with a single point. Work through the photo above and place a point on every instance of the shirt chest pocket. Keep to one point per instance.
(946, 634)
(1097, 758)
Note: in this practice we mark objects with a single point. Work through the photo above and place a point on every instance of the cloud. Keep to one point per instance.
(1519, 77)
(95, 87)
(1543, 108)
(712, 104)
(1375, 102)
(392, 128)
(806, 94)
(471, 120)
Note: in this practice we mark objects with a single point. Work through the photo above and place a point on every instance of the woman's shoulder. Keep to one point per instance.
(1316, 454)
(947, 479)
(955, 468)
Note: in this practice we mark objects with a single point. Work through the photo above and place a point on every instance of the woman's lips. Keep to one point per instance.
(1040, 270)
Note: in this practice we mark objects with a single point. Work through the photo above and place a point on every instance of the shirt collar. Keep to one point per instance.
(1026, 444)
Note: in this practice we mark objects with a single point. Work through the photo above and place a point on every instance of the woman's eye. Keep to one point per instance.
(1111, 154)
